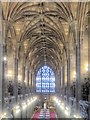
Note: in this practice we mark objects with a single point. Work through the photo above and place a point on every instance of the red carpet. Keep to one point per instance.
(36, 115)
(52, 115)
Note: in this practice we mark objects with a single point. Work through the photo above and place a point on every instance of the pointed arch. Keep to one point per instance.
(45, 80)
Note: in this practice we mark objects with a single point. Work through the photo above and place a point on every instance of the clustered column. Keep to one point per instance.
(63, 81)
(28, 81)
(1, 61)
(23, 80)
(16, 74)
(78, 72)
(76, 33)
(68, 76)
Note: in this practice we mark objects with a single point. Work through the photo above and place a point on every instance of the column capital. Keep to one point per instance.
(23, 64)
(15, 53)
(73, 23)
(75, 26)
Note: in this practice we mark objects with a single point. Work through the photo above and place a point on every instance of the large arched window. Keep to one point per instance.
(45, 80)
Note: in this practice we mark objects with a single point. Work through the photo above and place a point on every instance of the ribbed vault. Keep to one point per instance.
(39, 31)
(35, 35)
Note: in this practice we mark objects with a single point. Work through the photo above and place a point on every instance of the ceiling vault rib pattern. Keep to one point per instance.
(39, 31)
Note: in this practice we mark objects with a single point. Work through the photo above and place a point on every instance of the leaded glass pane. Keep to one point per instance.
(45, 80)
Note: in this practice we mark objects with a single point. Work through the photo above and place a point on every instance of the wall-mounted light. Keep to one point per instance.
(25, 81)
(77, 116)
(4, 115)
(19, 77)
(24, 105)
(45, 98)
(74, 74)
(66, 112)
(9, 74)
(62, 106)
(86, 67)
(5, 58)
(17, 109)
(28, 102)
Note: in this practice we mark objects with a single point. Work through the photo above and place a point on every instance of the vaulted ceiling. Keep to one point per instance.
(39, 31)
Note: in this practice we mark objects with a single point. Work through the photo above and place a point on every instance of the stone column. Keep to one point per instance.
(3, 30)
(68, 76)
(60, 78)
(89, 54)
(3, 77)
(63, 82)
(28, 81)
(76, 34)
(23, 80)
(1, 64)
(78, 67)
(60, 82)
(78, 74)
(32, 81)
(16, 74)
(63, 74)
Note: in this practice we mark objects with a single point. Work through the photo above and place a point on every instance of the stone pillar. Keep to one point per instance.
(23, 80)
(60, 82)
(32, 82)
(76, 33)
(78, 74)
(63, 82)
(3, 77)
(60, 78)
(1, 62)
(89, 52)
(16, 74)
(68, 76)
(63, 75)
(28, 81)
(3, 30)
(78, 67)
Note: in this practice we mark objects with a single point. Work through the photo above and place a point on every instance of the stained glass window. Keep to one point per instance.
(45, 80)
